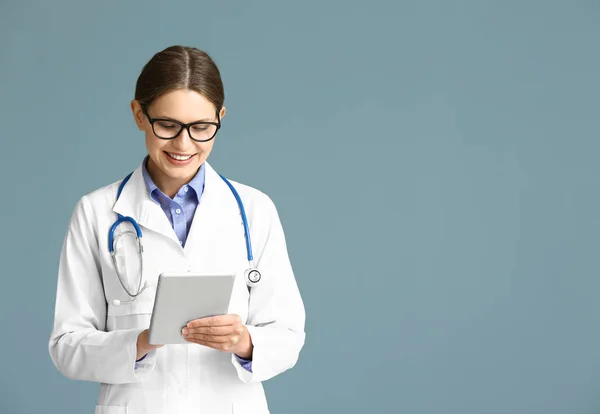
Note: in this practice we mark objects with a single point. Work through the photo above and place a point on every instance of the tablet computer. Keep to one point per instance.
(183, 297)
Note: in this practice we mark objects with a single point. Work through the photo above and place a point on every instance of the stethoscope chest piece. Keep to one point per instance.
(252, 277)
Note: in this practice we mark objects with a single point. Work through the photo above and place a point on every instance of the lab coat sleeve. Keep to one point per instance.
(276, 315)
(79, 346)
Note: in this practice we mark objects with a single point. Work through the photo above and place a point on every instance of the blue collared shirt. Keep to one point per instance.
(181, 208)
(180, 211)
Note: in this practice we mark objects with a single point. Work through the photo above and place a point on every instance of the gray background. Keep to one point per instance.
(434, 164)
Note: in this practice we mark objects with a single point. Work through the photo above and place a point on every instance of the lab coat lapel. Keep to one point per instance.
(135, 202)
(212, 218)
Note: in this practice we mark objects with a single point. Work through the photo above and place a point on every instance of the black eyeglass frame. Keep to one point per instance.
(182, 125)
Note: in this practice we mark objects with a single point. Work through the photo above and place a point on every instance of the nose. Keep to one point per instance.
(183, 139)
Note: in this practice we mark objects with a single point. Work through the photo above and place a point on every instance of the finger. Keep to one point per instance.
(211, 338)
(219, 346)
(214, 330)
(219, 320)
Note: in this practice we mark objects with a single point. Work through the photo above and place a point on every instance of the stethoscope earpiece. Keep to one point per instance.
(117, 302)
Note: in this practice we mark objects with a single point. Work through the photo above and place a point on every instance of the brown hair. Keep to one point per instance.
(180, 67)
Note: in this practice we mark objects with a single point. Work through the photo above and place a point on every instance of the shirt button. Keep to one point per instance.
(181, 242)
(178, 211)
(185, 189)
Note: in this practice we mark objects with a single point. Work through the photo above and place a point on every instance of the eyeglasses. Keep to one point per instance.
(200, 131)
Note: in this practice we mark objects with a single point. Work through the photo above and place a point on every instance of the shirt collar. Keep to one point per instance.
(197, 183)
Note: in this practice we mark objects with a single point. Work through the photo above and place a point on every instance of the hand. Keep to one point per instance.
(143, 347)
(224, 333)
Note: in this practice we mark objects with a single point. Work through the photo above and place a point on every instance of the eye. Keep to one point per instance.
(200, 128)
(166, 125)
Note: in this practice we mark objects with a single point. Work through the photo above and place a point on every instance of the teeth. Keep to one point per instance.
(179, 157)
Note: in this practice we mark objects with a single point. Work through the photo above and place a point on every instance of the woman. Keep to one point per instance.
(191, 223)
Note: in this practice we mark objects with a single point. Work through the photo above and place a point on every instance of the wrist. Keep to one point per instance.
(142, 345)
(245, 354)
(140, 349)
(246, 346)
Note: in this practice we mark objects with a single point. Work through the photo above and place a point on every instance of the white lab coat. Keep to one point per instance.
(95, 340)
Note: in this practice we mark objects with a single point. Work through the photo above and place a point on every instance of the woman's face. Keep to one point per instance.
(175, 162)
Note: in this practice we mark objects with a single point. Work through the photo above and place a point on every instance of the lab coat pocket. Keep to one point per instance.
(253, 402)
(241, 407)
(130, 315)
(110, 409)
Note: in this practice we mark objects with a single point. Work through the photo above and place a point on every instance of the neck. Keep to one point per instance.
(168, 185)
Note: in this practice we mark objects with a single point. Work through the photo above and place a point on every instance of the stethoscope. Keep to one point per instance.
(251, 275)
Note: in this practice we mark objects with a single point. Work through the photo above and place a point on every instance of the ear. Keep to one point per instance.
(222, 114)
(138, 115)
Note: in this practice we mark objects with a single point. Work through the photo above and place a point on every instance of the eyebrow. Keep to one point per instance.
(177, 120)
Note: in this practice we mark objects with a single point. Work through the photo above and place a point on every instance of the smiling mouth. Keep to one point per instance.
(179, 157)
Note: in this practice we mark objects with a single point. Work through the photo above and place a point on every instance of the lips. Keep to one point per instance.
(179, 157)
